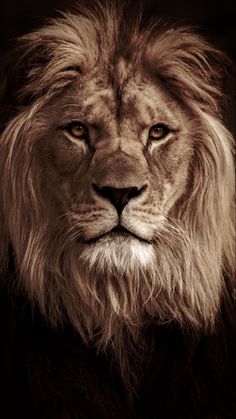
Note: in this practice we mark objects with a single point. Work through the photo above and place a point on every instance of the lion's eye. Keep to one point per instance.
(77, 130)
(158, 131)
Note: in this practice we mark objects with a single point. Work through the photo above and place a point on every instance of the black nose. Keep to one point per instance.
(119, 197)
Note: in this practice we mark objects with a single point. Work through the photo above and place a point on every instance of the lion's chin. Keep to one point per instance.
(118, 252)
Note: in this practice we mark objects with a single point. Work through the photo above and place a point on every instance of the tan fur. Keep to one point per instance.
(120, 81)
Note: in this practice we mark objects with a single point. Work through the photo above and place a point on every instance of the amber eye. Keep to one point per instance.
(77, 130)
(158, 131)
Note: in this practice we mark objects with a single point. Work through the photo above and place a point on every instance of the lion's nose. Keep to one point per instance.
(119, 197)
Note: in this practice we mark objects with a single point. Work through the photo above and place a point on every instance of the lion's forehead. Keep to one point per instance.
(132, 103)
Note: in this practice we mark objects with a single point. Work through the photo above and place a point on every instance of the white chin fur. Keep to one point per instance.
(119, 253)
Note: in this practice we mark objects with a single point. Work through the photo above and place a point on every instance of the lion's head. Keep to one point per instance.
(117, 176)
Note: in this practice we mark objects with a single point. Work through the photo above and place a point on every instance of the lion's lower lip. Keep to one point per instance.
(118, 231)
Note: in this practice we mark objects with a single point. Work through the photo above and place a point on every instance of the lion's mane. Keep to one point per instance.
(194, 254)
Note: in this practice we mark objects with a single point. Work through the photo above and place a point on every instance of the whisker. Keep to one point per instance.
(71, 104)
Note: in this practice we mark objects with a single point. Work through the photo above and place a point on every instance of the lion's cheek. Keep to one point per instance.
(63, 156)
(65, 173)
(172, 194)
(170, 179)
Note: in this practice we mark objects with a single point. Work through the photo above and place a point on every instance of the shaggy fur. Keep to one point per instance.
(175, 269)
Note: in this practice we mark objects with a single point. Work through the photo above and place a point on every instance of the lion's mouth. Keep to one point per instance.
(118, 231)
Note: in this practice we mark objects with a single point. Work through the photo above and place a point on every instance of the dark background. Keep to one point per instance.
(215, 18)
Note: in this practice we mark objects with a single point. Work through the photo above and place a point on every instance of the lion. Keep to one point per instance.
(117, 222)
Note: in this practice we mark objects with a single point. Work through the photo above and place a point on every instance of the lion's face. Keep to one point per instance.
(117, 156)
